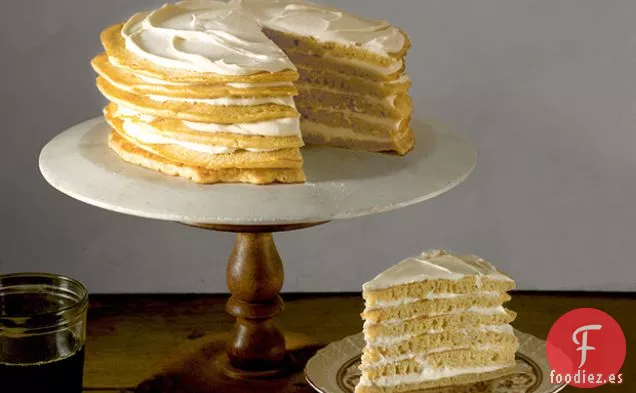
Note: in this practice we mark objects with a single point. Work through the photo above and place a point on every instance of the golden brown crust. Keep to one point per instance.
(133, 154)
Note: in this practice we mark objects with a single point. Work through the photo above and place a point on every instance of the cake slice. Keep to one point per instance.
(436, 320)
(353, 86)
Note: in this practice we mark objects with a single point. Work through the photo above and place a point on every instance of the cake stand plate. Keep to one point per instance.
(340, 184)
(334, 369)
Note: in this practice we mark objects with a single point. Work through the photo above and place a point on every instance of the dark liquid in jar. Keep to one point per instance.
(58, 376)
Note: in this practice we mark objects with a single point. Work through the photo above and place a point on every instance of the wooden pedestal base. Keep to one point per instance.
(254, 356)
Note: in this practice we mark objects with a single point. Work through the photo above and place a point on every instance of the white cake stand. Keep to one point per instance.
(340, 184)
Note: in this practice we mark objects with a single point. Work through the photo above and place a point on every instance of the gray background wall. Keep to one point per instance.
(546, 90)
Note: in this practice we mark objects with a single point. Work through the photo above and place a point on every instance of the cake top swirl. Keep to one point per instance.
(435, 265)
(326, 24)
(203, 36)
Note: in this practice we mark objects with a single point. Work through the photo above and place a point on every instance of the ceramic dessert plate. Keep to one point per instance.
(334, 369)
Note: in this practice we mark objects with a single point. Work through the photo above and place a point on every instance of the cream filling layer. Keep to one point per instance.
(313, 128)
(428, 374)
(147, 134)
(237, 85)
(392, 124)
(404, 78)
(475, 310)
(287, 126)
(227, 101)
(391, 69)
(384, 341)
(382, 304)
(419, 357)
(234, 85)
(385, 101)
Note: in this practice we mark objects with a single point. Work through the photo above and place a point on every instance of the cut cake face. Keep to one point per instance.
(436, 319)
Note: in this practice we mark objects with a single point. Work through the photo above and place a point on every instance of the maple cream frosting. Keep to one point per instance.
(287, 126)
(326, 24)
(203, 36)
(435, 265)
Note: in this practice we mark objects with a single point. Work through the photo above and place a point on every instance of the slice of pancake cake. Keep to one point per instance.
(434, 320)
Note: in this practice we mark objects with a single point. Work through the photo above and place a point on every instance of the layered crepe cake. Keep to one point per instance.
(436, 320)
(197, 90)
(205, 89)
(353, 83)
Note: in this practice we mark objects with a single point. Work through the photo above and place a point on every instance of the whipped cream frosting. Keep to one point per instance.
(435, 265)
(326, 24)
(147, 134)
(203, 36)
(225, 101)
(286, 126)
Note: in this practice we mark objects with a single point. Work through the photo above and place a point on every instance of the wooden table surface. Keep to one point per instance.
(128, 335)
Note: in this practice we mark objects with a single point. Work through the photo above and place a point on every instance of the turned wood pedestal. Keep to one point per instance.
(253, 356)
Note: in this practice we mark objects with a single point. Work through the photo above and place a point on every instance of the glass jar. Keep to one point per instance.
(42, 333)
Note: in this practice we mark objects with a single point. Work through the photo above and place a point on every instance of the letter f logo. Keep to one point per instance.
(583, 344)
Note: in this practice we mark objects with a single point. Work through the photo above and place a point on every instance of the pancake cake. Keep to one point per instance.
(197, 90)
(205, 89)
(436, 320)
(353, 86)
